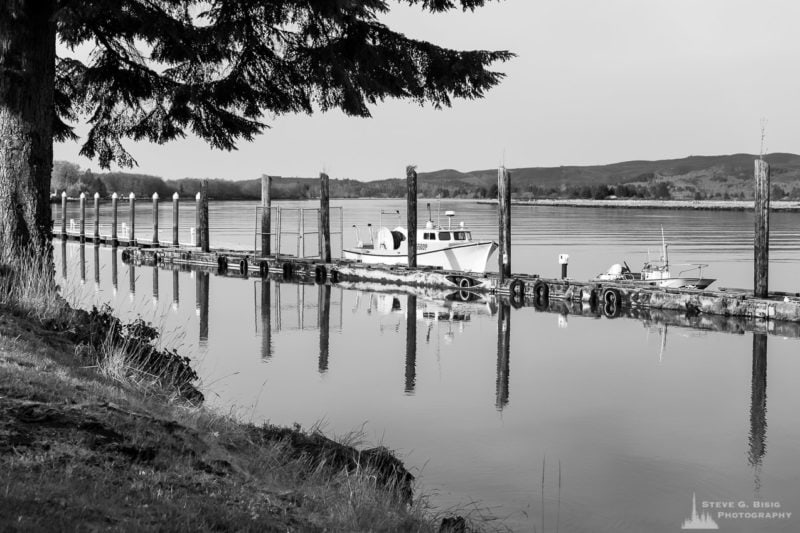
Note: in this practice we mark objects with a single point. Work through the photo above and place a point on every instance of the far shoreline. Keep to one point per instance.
(706, 205)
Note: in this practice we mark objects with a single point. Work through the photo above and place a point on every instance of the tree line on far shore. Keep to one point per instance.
(71, 178)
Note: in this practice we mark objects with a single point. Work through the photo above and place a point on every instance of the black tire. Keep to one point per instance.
(243, 266)
(612, 296)
(464, 283)
(222, 263)
(287, 270)
(334, 276)
(263, 269)
(320, 273)
(541, 291)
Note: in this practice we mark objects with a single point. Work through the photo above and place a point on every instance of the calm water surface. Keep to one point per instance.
(551, 421)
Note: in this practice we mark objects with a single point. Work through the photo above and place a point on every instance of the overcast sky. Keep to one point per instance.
(595, 81)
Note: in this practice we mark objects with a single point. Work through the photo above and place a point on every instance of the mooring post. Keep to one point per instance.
(83, 218)
(97, 218)
(114, 200)
(504, 222)
(175, 218)
(197, 219)
(761, 256)
(324, 218)
(64, 215)
(132, 236)
(411, 179)
(155, 219)
(203, 229)
(411, 344)
(266, 215)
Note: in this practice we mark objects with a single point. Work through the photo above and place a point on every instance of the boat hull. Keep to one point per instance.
(468, 257)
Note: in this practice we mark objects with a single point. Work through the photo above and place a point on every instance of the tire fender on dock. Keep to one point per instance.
(541, 290)
(334, 276)
(612, 303)
(243, 266)
(320, 273)
(263, 269)
(222, 263)
(287, 270)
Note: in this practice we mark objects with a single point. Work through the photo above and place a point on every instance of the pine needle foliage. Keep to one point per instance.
(162, 69)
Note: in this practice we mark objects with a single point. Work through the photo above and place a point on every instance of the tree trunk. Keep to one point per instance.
(27, 77)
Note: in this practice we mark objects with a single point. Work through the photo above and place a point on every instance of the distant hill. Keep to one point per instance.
(693, 177)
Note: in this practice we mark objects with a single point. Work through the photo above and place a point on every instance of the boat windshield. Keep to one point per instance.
(462, 235)
(444, 235)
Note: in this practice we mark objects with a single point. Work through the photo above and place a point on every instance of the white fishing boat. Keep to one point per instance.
(659, 272)
(450, 248)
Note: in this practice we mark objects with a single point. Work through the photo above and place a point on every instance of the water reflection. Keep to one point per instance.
(503, 355)
(266, 326)
(411, 344)
(114, 280)
(324, 321)
(96, 267)
(155, 284)
(82, 253)
(201, 284)
(758, 408)
(176, 297)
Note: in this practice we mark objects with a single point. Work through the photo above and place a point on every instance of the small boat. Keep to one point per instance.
(658, 273)
(450, 248)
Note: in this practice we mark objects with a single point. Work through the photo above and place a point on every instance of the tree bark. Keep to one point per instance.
(27, 77)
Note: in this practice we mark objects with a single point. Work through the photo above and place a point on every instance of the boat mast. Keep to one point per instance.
(664, 256)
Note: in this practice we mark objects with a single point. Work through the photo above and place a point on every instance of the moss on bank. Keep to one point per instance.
(82, 450)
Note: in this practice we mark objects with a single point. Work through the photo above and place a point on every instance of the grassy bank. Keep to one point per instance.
(97, 432)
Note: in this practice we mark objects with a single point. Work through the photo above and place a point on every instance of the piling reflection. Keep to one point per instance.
(175, 289)
(503, 355)
(132, 279)
(114, 280)
(83, 263)
(155, 284)
(64, 258)
(266, 323)
(758, 408)
(324, 321)
(411, 344)
(96, 267)
(201, 284)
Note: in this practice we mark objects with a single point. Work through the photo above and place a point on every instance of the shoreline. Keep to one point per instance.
(702, 205)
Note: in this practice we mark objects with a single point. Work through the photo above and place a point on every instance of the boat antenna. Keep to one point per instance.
(430, 218)
(664, 257)
(439, 210)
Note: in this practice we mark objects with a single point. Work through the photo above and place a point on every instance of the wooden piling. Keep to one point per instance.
(324, 218)
(504, 223)
(175, 218)
(64, 215)
(114, 201)
(132, 229)
(411, 179)
(83, 219)
(97, 218)
(411, 344)
(155, 219)
(761, 240)
(266, 215)
(203, 229)
(197, 209)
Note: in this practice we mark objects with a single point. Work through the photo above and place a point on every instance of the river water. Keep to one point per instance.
(548, 421)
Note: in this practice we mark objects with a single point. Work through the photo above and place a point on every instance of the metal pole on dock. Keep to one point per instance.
(64, 215)
(97, 218)
(411, 179)
(324, 218)
(155, 219)
(411, 344)
(114, 200)
(132, 236)
(203, 230)
(266, 218)
(197, 208)
(761, 248)
(175, 218)
(504, 222)
(324, 306)
(83, 218)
